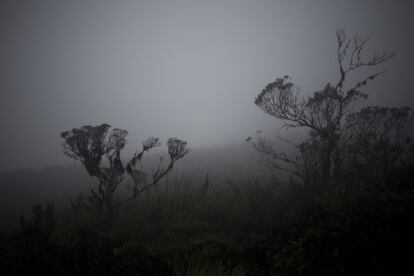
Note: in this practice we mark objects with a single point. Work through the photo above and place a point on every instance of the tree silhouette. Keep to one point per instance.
(99, 150)
(322, 156)
(379, 139)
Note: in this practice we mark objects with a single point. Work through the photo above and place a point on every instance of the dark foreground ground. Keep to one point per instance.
(194, 227)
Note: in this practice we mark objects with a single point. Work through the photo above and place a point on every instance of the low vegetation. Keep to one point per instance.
(249, 228)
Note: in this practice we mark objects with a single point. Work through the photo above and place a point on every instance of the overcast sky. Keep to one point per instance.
(175, 68)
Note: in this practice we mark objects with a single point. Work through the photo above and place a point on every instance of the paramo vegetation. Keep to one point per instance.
(345, 206)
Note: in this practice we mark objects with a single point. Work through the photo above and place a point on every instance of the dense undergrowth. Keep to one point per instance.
(253, 228)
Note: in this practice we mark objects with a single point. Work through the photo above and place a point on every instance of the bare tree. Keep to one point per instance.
(323, 113)
(99, 151)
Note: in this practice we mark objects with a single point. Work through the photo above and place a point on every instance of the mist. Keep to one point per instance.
(175, 68)
(219, 137)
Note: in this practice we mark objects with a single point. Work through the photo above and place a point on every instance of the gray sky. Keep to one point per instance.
(175, 68)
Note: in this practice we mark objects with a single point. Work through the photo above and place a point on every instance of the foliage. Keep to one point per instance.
(337, 136)
(252, 228)
(92, 145)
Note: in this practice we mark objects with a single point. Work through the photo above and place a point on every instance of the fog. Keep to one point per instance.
(189, 69)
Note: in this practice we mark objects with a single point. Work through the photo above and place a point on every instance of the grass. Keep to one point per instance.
(246, 228)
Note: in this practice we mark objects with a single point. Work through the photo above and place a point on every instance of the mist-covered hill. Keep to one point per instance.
(21, 189)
